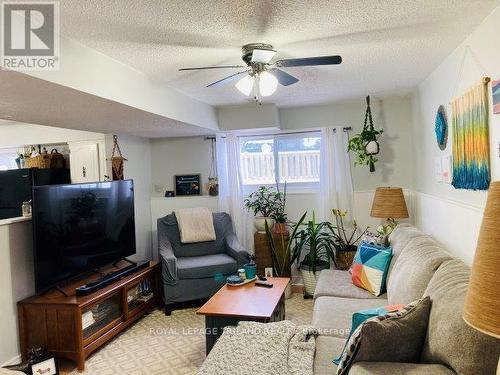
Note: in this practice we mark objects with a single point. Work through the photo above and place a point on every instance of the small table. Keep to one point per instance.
(233, 304)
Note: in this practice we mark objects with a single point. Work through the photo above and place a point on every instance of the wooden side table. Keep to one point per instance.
(263, 256)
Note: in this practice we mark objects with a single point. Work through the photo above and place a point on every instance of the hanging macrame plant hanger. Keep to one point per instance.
(372, 147)
(117, 160)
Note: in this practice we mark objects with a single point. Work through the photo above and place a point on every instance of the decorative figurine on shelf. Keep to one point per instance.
(365, 144)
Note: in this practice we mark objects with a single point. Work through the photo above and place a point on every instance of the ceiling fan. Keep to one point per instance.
(261, 77)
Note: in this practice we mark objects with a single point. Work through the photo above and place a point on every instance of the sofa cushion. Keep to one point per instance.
(370, 266)
(167, 226)
(326, 347)
(205, 266)
(396, 336)
(413, 269)
(392, 368)
(337, 283)
(333, 315)
(399, 239)
(450, 341)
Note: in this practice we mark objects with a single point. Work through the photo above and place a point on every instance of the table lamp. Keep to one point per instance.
(389, 203)
(482, 303)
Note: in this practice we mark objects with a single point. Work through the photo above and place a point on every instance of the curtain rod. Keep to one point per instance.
(345, 129)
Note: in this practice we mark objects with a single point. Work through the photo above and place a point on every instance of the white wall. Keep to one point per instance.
(392, 114)
(17, 282)
(248, 116)
(138, 168)
(171, 156)
(453, 216)
(14, 134)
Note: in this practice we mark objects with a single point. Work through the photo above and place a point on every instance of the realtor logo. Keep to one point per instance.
(30, 39)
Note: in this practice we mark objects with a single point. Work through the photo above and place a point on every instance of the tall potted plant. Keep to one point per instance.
(262, 203)
(345, 241)
(281, 251)
(317, 240)
(279, 215)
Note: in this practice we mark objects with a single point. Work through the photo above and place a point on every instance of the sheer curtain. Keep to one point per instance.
(230, 186)
(336, 189)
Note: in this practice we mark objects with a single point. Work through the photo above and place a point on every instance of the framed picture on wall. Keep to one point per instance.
(187, 184)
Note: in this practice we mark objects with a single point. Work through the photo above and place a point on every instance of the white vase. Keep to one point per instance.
(260, 223)
(372, 148)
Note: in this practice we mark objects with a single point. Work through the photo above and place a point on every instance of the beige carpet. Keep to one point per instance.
(175, 344)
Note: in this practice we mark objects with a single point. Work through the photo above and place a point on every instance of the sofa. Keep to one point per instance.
(419, 267)
(193, 271)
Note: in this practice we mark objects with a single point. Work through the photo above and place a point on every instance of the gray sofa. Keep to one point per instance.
(189, 270)
(419, 267)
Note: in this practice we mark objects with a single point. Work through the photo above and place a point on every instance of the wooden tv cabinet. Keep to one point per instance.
(73, 327)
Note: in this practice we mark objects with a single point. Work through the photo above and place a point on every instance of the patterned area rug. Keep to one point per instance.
(160, 344)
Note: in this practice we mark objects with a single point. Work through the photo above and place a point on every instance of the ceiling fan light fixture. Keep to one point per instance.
(245, 85)
(267, 84)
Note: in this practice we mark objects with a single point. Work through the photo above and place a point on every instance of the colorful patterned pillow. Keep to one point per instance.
(370, 266)
(360, 316)
(394, 337)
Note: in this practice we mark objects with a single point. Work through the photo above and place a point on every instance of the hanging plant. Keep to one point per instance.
(365, 144)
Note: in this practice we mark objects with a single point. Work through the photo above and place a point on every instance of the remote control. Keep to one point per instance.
(262, 278)
(264, 284)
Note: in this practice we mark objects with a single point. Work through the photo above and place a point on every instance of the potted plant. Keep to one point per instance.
(345, 241)
(281, 250)
(365, 144)
(262, 203)
(279, 215)
(317, 240)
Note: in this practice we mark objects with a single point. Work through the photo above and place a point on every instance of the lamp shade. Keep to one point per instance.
(389, 202)
(482, 303)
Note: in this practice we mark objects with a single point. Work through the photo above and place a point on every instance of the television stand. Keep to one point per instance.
(73, 327)
(109, 278)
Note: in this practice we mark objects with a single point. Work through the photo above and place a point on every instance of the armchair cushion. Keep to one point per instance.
(235, 250)
(205, 266)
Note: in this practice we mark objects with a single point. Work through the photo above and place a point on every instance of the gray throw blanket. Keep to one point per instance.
(281, 348)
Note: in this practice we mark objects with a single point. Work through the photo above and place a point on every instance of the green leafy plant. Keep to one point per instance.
(264, 201)
(345, 239)
(317, 239)
(280, 252)
(279, 214)
(358, 142)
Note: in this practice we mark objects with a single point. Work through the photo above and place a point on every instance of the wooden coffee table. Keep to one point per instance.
(233, 304)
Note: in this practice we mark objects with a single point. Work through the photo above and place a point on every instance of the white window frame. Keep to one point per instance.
(292, 187)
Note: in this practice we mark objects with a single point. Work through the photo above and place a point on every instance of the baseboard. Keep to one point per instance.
(12, 361)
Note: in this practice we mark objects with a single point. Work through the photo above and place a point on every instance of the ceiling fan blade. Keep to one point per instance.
(309, 61)
(283, 78)
(262, 56)
(214, 67)
(228, 79)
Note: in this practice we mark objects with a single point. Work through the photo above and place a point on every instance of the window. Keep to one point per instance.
(294, 158)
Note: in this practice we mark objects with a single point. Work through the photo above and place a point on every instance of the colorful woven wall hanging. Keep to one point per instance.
(471, 151)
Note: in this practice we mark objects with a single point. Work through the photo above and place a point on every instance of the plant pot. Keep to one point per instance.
(260, 223)
(345, 256)
(250, 270)
(280, 228)
(310, 277)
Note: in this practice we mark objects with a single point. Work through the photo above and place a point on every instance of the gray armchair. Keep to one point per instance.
(189, 270)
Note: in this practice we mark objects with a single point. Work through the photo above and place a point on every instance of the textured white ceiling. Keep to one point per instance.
(387, 45)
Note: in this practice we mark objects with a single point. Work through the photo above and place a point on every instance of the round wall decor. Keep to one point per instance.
(441, 127)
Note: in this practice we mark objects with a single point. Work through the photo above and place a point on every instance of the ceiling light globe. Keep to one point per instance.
(268, 84)
(245, 85)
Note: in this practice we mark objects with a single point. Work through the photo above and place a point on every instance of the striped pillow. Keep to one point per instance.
(407, 328)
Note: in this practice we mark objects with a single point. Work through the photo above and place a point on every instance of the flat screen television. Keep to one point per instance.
(80, 227)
